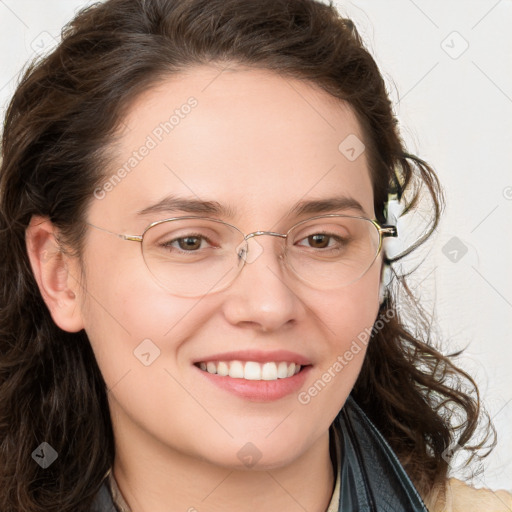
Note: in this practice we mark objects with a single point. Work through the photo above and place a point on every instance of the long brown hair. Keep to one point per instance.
(58, 127)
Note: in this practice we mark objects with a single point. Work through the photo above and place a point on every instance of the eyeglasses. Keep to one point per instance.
(192, 256)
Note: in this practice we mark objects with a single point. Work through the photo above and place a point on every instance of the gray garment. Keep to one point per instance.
(372, 478)
(103, 501)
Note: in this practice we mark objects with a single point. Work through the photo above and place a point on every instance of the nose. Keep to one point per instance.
(262, 294)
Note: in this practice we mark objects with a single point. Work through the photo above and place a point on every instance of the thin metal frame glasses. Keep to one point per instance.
(186, 275)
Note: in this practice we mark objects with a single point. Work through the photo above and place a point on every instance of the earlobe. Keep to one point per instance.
(53, 273)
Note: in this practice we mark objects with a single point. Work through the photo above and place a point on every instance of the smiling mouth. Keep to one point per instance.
(251, 370)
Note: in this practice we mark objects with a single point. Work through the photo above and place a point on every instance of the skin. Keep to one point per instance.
(259, 143)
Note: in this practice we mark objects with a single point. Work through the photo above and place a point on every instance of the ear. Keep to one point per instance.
(56, 274)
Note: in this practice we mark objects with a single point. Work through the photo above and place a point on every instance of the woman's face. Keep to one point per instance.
(258, 144)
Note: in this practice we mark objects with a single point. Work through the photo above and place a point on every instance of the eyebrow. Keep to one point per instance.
(188, 205)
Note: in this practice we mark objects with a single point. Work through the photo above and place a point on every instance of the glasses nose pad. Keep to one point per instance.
(249, 250)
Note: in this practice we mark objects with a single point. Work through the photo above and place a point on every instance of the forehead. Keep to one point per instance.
(256, 142)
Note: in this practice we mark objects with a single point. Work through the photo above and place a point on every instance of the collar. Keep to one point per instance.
(117, 497)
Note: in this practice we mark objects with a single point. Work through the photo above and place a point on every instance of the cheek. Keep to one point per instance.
(131, 321)
(346, 320)
(349, 312)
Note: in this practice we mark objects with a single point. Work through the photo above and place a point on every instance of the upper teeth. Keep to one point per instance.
(251, 370)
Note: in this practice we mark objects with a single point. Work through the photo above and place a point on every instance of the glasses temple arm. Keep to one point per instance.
(133, 238)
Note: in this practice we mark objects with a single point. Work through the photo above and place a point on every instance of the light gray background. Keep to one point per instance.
(455, 106)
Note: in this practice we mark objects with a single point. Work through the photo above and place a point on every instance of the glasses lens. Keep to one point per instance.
(192, 257)
(331, 252)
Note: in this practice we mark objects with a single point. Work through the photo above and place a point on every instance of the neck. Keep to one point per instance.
(156, 478)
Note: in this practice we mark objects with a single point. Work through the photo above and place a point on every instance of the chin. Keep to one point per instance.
(258, 452)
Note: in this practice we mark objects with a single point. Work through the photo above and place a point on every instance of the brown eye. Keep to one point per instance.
(324, 241)
(189, 243)
(319, 241)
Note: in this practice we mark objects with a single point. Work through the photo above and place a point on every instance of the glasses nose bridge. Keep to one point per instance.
(257, 252)
(259, 233)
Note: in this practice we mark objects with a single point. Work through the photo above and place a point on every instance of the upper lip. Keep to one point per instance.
(258, 356)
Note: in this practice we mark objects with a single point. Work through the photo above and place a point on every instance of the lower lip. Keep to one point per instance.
(259, 390)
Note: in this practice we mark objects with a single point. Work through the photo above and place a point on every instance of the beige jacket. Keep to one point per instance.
(463, 498)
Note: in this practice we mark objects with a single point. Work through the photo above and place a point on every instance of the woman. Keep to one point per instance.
(194, 316)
